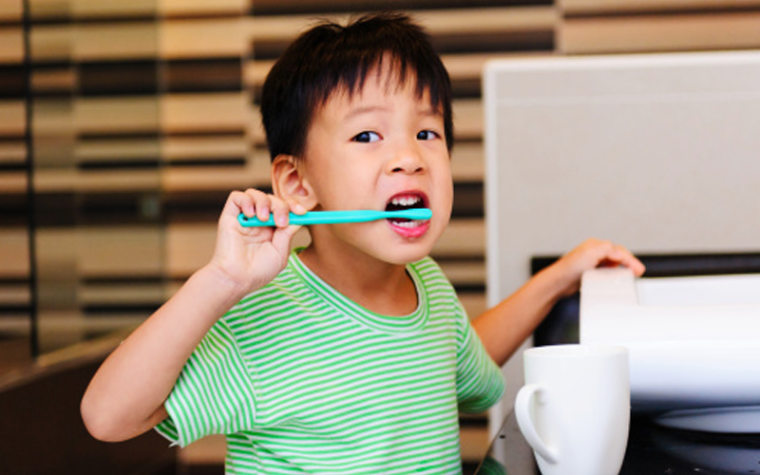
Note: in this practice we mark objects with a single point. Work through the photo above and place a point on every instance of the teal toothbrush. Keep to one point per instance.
(348, 216)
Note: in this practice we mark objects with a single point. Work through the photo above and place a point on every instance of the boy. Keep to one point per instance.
(352, 355)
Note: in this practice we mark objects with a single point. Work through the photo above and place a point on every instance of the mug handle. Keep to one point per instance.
(522, 411)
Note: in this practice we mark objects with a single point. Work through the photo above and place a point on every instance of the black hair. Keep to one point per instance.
(330, 56)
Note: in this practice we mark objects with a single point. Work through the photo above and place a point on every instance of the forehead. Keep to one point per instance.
(382, 80)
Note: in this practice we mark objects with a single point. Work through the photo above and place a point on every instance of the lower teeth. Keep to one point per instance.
(407, 224)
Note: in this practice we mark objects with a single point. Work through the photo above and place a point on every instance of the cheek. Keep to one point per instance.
(340, 188)
(447, 196)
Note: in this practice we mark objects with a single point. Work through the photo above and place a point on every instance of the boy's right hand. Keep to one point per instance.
(252, 256)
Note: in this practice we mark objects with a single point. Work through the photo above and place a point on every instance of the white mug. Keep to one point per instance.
(574, 410)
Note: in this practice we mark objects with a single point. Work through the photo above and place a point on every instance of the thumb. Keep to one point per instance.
(283, 237)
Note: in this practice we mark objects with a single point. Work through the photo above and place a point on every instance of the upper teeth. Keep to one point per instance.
(405, 200)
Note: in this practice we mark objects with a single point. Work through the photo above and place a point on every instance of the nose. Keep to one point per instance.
(406, 160)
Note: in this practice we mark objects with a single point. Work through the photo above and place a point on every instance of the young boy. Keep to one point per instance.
(352, 355)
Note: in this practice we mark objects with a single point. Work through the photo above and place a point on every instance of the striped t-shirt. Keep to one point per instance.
(303, 380)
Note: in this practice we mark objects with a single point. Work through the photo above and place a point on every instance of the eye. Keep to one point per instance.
(427, 135)
(366, 137)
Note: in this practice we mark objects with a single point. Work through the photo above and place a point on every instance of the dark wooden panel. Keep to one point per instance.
(43, 432)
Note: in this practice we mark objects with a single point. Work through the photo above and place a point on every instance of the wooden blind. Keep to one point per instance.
(145, 115)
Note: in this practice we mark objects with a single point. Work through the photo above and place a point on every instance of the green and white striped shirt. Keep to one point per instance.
(303, 380)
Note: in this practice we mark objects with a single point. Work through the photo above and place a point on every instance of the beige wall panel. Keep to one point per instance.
(201, 7)
(463, 237)
(51, 42)
(12, 117)
(256, 133)
(12, 10)
(13, 182)
(441, 22)
(11, 45)
(465, 272)
(44, 9)
(53, 180)
(615, 6)
(189, 246)
(129, 40)
(99, 294)
(474, 303)
(116, 150)
(659, 33)
(112, 8)
(183, 179)
(14, 294)
(199, 38)
(116, 114)
(196, 112)
(487, 20)
(470, 65)
(94, 181)
(255, 71)
(202, 147)
(120, 250)
(12, 152)
(468, 118)
(467, 163)
(14, 252)
(105, 181)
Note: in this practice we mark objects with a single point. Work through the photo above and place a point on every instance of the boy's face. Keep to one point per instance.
(381, 148)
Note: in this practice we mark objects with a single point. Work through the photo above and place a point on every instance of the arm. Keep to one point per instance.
(125, 397)
(504, 327)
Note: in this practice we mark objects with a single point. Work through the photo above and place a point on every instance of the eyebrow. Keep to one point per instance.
(427, 111)
(366, 109)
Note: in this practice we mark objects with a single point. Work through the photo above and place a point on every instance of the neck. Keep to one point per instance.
(378, 286)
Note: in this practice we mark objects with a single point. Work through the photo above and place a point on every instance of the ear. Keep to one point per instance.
(289, 183)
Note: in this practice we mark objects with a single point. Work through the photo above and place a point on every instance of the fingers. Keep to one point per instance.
(253, 202)
(610, 253)
(283, 236)
(626, 258)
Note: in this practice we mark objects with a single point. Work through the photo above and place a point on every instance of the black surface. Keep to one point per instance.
(651, 450)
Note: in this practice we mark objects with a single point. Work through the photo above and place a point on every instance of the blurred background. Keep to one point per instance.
(124, 125)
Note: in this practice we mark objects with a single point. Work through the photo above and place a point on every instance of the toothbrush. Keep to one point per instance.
(348, 216)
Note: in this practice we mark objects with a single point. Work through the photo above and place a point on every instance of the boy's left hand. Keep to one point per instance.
(591, 254)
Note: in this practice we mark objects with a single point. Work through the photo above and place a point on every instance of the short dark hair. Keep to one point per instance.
(329, 56)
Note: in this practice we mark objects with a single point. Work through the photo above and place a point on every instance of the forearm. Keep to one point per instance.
(504, 327)
(125, 397)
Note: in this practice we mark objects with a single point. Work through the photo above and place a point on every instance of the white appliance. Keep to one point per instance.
(694, 344)
(658, 152)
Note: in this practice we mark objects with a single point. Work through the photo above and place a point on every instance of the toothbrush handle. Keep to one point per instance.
(316, 217)
(344, 216)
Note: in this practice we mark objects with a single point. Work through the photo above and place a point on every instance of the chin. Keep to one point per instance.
(408, 255)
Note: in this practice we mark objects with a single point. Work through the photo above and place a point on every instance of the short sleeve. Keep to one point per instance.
(480, 382)
(213, 394)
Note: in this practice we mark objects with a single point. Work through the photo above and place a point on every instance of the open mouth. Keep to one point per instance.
(406, 200)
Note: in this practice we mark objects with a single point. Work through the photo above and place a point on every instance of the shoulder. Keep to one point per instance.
(428, 270)
(437, 287)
